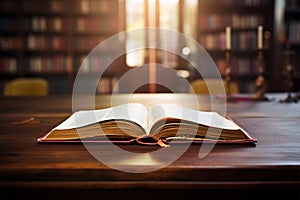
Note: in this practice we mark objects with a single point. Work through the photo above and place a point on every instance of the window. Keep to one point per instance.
(165, 14)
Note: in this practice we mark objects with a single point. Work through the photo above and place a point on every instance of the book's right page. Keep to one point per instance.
(167, 119)
(210, 119)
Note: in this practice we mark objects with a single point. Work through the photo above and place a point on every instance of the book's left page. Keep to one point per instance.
(127, 121)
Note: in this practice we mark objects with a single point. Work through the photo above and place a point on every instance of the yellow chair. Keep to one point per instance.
(216, 86)
(26, 87)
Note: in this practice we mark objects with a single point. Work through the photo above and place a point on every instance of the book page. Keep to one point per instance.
(211, 119)
(132, 112)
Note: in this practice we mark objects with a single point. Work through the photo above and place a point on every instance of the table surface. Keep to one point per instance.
(274, 162)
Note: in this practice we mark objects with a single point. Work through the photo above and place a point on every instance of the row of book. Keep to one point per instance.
(239, 66)
(92, 25)
(8, 65)
(34, 42)
(58, 24)
(47, 64)
(41, 42)
(49, 43)
(56, 64)
(50, 64)
(42, 24)
(237, 2)
(30, 6)
(107, 85)
(238, 21)
(239, 41)
(94, 6)
(294, 32)
(82, 43)
(93, 64)
(58, 6)
(11, 43)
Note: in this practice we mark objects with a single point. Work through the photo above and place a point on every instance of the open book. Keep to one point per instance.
(134, 122)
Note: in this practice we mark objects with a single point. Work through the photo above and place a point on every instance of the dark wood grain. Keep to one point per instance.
(29, 168)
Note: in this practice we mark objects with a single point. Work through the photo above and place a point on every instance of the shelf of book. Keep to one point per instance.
(47, 38)
(291, 43)
(53, 36)
(243, 17)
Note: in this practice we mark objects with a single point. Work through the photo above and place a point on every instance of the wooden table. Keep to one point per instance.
(269, 169)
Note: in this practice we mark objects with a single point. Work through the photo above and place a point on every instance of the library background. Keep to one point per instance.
(49, 39)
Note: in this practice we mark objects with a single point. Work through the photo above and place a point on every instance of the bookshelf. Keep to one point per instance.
(243, 17)
(50, 38)
(291, 42)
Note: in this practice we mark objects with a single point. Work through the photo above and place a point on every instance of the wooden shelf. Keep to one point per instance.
(292, 32)
(243, 18)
